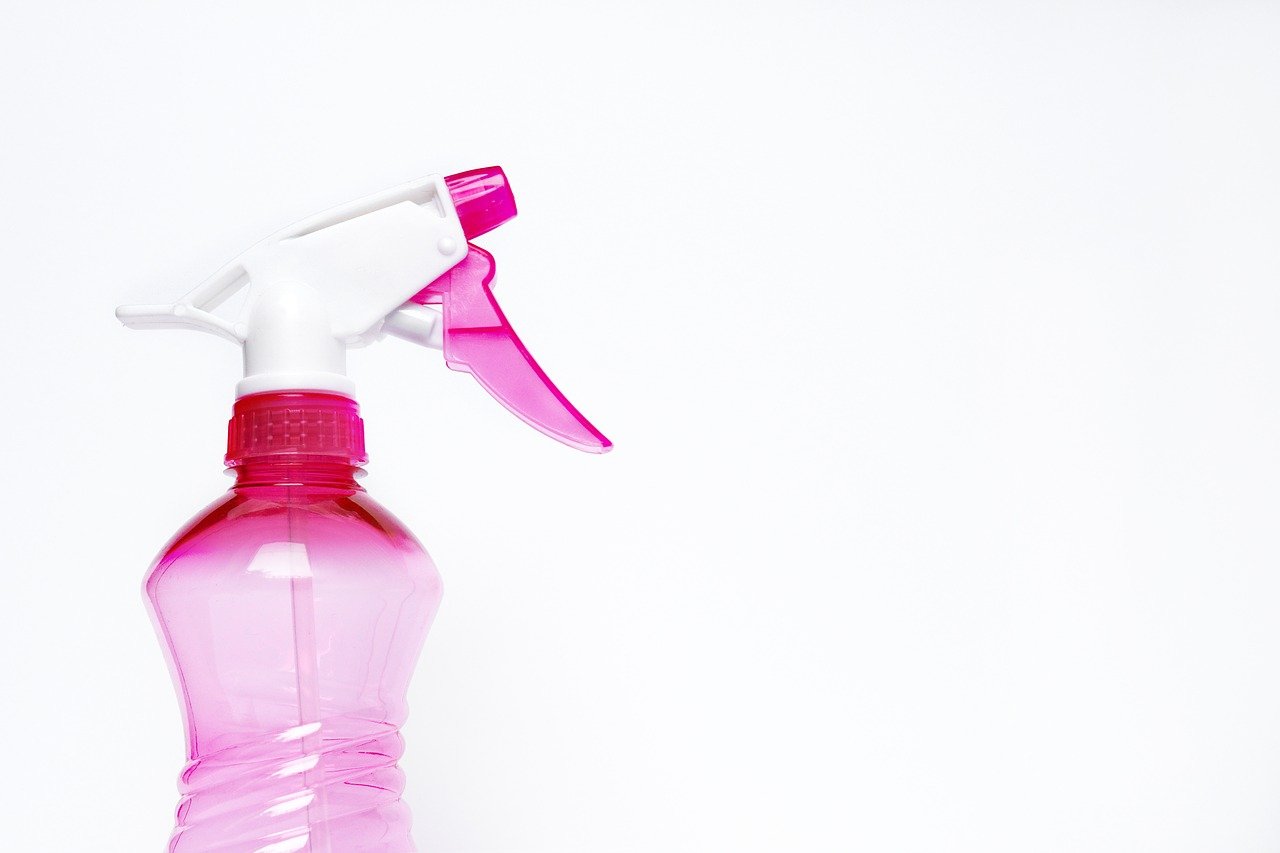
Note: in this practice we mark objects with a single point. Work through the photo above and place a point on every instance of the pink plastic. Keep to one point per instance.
(482, 198)
(477, 337)
(292, 612)
(295, 423)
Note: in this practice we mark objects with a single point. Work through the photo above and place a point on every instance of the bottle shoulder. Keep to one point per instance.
(243, 520)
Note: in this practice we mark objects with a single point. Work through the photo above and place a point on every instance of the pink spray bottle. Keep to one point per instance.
(293, 609)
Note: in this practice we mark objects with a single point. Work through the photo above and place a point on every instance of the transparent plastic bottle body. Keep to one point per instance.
(292, 612)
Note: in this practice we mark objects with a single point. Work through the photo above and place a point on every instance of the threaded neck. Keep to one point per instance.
(280, 426)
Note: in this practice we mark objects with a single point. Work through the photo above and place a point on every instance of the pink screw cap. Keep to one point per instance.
(295, 424)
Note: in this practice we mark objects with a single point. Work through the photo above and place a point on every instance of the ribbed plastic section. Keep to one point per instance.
(326, 791)
(295, 423)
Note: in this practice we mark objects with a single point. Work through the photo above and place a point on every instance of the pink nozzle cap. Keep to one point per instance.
(482, 198)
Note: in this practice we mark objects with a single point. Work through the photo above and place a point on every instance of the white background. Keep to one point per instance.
(937, 341)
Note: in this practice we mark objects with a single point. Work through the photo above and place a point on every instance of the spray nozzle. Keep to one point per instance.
(482, 198)
(350, 275)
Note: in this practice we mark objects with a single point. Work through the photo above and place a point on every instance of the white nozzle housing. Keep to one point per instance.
(329, 282)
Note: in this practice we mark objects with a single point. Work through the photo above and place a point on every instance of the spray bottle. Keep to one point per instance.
(292, 610)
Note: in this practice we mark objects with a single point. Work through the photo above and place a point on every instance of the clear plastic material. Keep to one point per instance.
(482, 198)
(479, 340)
(292, 613)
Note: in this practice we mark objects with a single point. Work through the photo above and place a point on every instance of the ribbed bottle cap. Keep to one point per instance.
(295, 423)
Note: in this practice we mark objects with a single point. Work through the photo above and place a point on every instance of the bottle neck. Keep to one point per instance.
(305, 473)
(296, 438)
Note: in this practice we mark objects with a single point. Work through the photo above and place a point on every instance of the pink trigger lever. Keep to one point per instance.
(477, 337)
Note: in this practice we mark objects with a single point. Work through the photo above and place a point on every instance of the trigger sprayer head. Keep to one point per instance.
(347, 277)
